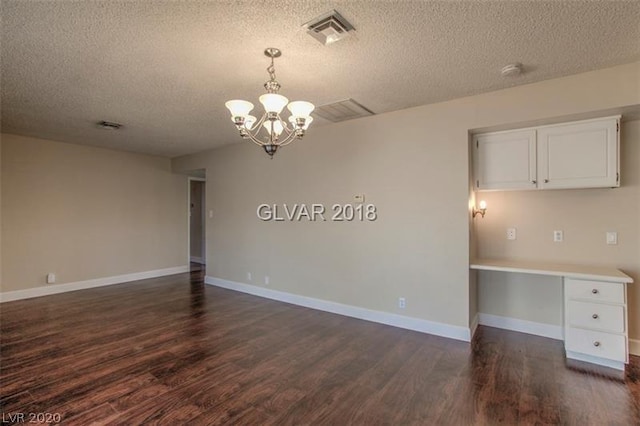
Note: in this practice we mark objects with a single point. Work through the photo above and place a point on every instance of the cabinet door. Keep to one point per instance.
(580, 155)
(505, 160)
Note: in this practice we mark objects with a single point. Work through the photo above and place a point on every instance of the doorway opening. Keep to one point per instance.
(197, 223)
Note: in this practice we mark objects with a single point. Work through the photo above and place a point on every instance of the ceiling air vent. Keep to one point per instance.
(108, 125)
(342, 110)
(329, 28)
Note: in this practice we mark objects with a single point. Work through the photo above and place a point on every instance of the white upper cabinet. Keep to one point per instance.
(580, 155)
(583, 154)
(505, 160)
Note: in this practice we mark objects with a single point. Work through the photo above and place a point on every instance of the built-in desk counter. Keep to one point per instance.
(595, 307)
(554, 269)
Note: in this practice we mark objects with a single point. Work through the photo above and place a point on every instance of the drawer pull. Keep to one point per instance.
(596, 343)
(594, 316)
(595, 291)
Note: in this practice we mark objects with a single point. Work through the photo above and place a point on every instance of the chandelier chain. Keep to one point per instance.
(271, 69)
(272, 85)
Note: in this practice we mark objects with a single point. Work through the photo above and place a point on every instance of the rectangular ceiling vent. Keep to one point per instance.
(329, 28)
(342, 110)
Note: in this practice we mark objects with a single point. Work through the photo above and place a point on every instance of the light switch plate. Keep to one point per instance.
(558, 236)
(612, 238)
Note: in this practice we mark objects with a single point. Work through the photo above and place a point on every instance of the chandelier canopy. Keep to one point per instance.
(271, 131)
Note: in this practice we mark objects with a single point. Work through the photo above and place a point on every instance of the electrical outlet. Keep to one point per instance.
(248, 276)
(266, 280)
(511, 233)
(402, 303)
(51, 278)
(558, 236)
(612, 238)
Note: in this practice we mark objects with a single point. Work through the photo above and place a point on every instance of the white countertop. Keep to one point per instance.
(583, 272)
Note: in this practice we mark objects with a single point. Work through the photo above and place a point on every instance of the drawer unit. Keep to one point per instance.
(595, 321)
(596, 343)
(596, 316)
(597, 291)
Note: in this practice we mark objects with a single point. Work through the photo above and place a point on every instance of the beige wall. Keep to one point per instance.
(585, 215)
(413, 165)
(367, 264)
(85, 213)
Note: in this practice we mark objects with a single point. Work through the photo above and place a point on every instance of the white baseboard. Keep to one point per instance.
(196, 260)
(523, 326)
(618, 365)
(474, 325)
(409, 323)
(81, 285)
(634, 347)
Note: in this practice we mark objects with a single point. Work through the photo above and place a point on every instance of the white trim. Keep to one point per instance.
(514, 324)
(97, 282)
(634, 347)
(204, 218)
(618, 365)
(197, 260)
(474, 325)
(409, 323)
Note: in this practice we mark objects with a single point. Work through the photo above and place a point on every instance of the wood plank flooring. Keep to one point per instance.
(173, 351)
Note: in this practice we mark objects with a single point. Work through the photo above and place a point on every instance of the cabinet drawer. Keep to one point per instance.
(596, 343)
(596, 316)
(597, 291)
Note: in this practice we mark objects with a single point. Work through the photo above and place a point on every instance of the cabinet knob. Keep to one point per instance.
(546, 181)
(534, 181)
(596, 343)
(594, 316)
(594, 291)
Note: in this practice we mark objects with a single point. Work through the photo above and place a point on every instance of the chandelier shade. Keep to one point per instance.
(273, 102)
(271, 131)
(300, 108)
(273, 127)
(249, 121)
(239, 108)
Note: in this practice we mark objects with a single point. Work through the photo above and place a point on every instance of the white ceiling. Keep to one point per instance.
(164, 69)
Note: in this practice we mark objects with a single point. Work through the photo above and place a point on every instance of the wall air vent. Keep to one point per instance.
(329, 28)
(342, 110)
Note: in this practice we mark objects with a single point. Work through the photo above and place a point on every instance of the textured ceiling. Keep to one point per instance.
(164, 69)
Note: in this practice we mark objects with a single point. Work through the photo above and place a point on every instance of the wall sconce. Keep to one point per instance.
(482, 210)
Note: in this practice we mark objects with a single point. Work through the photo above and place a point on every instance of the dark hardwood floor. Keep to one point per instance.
(173, 351)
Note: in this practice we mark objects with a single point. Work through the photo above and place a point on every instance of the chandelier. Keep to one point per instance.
(271, 131)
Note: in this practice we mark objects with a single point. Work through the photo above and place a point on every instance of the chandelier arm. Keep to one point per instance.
(259, 124)
(285, 125)
(290, 138)
(285, 139)
(254, 140)
(257, 128)
(285, 129)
